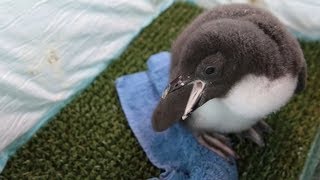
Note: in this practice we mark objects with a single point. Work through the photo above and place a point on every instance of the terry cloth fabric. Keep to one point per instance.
(174, 150)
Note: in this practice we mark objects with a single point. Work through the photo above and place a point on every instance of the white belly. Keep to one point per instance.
(215, 115)
(247, 102)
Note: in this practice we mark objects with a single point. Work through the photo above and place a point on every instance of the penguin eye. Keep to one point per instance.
(210, 70)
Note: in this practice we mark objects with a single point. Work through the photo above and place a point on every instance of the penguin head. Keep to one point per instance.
(211, 56)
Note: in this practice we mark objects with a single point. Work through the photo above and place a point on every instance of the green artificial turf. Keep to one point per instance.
(90, 138)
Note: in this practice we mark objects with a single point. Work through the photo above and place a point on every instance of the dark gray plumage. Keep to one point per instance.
(224, 48)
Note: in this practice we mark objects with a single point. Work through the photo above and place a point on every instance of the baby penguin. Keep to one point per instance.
(231, 67)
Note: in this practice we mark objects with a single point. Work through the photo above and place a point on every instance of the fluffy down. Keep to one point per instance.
(248, 101)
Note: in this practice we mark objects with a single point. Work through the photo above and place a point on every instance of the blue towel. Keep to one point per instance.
(174, 150)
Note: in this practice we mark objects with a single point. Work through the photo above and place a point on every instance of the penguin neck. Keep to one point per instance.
(248, 101)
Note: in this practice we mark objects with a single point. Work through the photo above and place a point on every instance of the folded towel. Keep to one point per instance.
(174, 150)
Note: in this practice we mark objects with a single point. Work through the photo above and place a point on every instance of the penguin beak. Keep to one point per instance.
(194, 97)
(195, 94)
(177, 102)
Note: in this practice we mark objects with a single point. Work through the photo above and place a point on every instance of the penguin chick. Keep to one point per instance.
(231, 67)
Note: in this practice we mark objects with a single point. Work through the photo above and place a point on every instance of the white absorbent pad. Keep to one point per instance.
(302, 17)
(49, 50)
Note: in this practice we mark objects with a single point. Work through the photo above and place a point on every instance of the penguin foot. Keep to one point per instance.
(217, 143)
(263, 127)
(255, 133)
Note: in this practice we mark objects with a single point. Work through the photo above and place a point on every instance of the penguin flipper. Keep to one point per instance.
(302, 80)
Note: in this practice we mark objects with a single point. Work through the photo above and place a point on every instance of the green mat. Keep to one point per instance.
(90, 138)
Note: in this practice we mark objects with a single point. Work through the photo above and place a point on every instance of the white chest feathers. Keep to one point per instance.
(251, 99)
